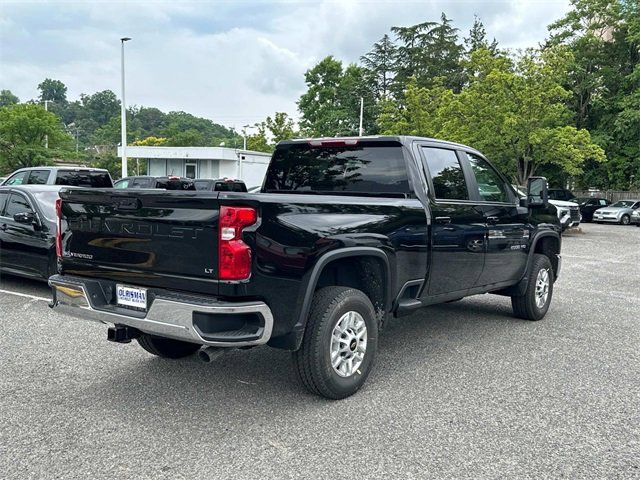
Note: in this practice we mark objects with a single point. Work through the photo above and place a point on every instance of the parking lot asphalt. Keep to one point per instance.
(462, 390)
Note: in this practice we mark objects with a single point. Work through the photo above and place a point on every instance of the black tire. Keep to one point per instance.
(625, 219)
(313, 360)
(524, 306)
(167, 347)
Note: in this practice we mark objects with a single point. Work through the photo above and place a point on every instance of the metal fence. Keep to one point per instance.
(611, 195)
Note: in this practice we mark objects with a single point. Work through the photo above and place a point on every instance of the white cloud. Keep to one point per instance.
(233, 62)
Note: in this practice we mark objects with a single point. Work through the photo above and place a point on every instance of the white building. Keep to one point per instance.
(203, 162)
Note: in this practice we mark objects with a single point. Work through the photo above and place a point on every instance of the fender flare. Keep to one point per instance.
(521, 286)
(322, 262)
(536, 239)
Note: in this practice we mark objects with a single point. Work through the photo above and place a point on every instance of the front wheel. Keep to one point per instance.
(625, 219)
(535, 301)
(340, 343)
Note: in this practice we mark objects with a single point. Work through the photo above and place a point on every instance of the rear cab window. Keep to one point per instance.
(84, 178)
(338, 167)
(202, 184)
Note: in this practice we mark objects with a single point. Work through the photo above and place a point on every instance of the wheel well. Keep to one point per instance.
(366, 273)
(549, 246)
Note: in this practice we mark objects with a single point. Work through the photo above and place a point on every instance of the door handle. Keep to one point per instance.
(493, 220)
(443, 219)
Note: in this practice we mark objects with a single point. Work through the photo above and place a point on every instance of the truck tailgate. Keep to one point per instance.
(150, 237)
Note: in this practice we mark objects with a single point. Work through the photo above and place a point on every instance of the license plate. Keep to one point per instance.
(131, 296)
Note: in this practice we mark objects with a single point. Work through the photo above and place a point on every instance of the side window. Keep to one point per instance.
(490, 186)
(18, 178)
(603, 202)
(17, 204)
(121, 184)
(141, 183)
(3, 201)
(446, 174)
(38, 177)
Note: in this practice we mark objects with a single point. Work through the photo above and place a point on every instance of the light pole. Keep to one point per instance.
(244, 136)
(46, 137)
(73, 125)
(123, 112)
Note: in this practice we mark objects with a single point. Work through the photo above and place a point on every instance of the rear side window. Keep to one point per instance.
(446, 174)
(121, 184)
(38, 177)
(202, 185)
(367, 167)
(3, 201)
(84, 179)
(17, 204)
(18, 178)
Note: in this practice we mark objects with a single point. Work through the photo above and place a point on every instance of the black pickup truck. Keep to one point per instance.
(345, 233)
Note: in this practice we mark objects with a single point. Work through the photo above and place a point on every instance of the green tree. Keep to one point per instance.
(7, 98)
(513, 112)
(23, 131)
(53, 90)
(381, 63)
(187, 138)
(604, 81)
(430, 52)
(478, 38)
(331, 104)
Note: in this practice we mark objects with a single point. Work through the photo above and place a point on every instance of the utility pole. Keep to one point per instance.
(361, 114)
(123, 112)
(46, 137)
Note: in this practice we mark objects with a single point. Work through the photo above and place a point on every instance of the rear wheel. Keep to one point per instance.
(167, 347)
(340, 343)
(534, 303)
(625, 219)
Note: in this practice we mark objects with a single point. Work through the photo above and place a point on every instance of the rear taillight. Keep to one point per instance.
(59, 227)
(234, 256)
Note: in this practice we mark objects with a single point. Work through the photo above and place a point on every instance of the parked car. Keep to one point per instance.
(619, 212)
(220, 185)
(74, 176)
(346, 233)
(635, 217)
(165, 183)
(28, 230)
(561, 194)
(588, 205)
(568, 212)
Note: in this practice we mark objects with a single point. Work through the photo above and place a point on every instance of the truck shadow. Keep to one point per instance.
(240, 384)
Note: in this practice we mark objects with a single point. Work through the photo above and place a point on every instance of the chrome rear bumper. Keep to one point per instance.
(167, 316)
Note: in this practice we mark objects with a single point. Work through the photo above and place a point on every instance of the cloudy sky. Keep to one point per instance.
(232, 61)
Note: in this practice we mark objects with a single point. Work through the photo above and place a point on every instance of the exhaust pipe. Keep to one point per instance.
(209, 354)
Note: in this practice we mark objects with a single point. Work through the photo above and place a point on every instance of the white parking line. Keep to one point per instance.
(33, 297)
